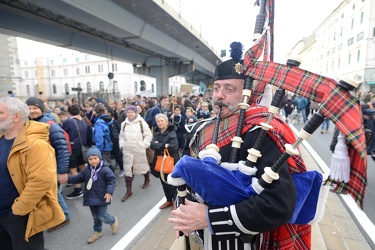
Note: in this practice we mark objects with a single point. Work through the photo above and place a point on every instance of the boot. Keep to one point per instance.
(147, 180)
(128, 182)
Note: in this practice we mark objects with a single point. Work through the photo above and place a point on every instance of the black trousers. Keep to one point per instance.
(12, 234)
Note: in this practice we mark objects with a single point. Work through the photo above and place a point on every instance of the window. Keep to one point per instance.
(341, 31)
(362, 14)
(65, 72)
(25, 63)
(77, 59)
(338, 63)
(349, 58)
(35, 74)
(26, 74)
(114, 67)
(360, 36)
(353, 6)
(100, 68)
(373, 32)
(327, 54)
(51, 62)
(352, 26)
(135, 87)
(350, 41)
(78, 71)
(89, 90)
(153, 88)
(87, 69)
(333, 65)
(54, 88)
(67, 88)
(358, 55)
(86, 57)
(101, 86)
(333, 50)
(53, 73)
(64, 60)
(115, 86)
(339, 47)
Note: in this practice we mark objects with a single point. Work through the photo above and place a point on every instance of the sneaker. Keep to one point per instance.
(114, 226)
(74, 195)
(94, 237)
(49, 230)
(121, 173)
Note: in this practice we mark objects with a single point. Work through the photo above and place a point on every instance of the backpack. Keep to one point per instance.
(66, 137)
(114, 131)
(148, 115)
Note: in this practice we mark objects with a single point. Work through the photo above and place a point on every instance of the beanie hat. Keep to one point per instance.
(93, 151)
(132, 108)
(35, 102)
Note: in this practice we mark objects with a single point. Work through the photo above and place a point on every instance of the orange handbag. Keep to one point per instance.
(164, 163)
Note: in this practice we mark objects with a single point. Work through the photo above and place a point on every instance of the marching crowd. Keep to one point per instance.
(87, 136)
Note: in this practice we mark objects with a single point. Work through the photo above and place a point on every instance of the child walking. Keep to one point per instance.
(100, 183)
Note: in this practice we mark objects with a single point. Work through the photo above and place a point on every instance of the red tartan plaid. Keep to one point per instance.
(337, 104)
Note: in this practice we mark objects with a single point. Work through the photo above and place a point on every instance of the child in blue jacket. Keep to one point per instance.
(100, 183)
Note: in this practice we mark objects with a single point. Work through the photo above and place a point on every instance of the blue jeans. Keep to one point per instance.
(325, 124)
(303, 112)
(12, 234)
(100, 216)
(63, 205)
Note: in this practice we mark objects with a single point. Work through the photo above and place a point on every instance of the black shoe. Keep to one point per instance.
(74, 195)
(49, 230)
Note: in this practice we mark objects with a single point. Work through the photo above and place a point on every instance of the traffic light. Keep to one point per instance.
(143, 85)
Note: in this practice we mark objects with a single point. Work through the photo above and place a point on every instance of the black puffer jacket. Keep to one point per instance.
(168, 137)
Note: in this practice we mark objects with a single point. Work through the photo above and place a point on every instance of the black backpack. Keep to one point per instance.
(114, 131)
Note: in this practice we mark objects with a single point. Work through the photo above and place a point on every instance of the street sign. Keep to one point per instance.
(76, 89)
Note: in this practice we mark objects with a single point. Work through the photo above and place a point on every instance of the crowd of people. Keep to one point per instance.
(116, 132)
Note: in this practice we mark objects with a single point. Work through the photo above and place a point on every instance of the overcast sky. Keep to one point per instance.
(224, 21)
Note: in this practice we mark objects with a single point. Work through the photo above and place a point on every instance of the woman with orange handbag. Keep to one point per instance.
(165, 137)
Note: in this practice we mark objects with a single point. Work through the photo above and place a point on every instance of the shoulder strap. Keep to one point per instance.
(140, 123)
(79, 134)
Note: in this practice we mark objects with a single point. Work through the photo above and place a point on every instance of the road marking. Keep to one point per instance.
(130, 236)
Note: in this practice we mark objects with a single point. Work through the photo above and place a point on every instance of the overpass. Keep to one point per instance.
(146, 33)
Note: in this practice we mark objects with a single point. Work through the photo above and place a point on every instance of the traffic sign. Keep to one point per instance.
(76, 89)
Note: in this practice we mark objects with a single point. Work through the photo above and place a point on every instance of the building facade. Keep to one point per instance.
(343, 44)
(10, 74)
(82, 75)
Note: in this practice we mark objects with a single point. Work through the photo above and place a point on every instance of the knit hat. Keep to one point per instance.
(93, 151)
(35, 102)
(132, 108)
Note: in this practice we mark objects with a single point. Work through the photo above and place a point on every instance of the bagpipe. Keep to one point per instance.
(236, 177)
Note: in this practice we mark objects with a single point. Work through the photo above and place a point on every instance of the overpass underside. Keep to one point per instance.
(148, 34)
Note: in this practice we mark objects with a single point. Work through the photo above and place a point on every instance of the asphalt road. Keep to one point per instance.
(129, 213)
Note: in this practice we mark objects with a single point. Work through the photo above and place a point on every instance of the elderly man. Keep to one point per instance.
(238, 226)
(28, 179)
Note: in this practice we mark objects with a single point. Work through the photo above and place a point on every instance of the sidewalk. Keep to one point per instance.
(336, 230)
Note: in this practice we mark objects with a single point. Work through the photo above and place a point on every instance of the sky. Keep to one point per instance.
(222, 22)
